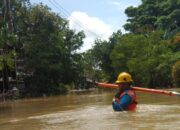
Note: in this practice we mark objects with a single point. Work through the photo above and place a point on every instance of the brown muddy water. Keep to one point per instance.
(90, 111)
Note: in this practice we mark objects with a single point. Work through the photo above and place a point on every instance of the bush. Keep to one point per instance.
(62, 89)
(176, 73)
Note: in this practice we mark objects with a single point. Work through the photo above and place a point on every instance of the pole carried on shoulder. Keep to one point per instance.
(156, 91)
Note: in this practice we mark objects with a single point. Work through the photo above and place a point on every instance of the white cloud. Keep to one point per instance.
(116, 3)
(93, 28)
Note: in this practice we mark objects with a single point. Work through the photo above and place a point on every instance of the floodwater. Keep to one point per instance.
(90, 111)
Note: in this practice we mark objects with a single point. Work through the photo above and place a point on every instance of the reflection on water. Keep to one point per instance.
(91, 111)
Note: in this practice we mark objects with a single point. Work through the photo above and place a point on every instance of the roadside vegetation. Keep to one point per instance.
(150, 51)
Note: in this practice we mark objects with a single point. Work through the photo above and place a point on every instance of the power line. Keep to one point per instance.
(79, 21)
(61, 11)
(76, 20)
(67, 14)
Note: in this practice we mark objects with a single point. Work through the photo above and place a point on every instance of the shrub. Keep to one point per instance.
(176, 73)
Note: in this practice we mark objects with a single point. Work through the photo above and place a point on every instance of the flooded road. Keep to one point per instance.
(90, 111)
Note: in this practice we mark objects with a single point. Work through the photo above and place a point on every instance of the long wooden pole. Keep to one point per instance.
(156, 91)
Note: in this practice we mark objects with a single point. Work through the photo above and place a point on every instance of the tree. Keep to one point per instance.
(147, 58)
(101, 51)
(8, 40)
(49, 50)
(176, 73)
(152, 15)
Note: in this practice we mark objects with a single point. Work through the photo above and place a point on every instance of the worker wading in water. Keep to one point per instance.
(125, 99)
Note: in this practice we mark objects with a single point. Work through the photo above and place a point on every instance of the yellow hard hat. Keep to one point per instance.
(124, 77)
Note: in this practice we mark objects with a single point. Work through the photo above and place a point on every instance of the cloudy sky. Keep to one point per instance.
(97, 18)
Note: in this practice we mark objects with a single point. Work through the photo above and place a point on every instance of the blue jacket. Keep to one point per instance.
(125, 101)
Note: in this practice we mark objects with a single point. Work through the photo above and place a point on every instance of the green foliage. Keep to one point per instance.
(154, 61)
(147, 57)
(152, 15)
(151, 48)
(51, 52)
(46, 44)
(48, 47)
(176, 73)
(7, 60)
(101, 53)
